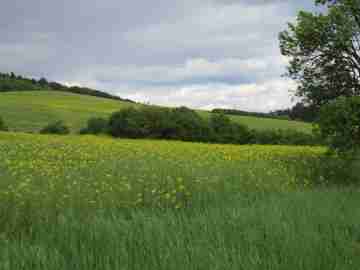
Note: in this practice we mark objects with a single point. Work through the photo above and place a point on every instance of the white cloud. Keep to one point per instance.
(266, 96)
(204, 83)
(258, 69)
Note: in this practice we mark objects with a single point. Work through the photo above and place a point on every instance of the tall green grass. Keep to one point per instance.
(297, 230)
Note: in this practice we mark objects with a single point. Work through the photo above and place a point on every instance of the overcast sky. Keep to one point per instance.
(197, 53)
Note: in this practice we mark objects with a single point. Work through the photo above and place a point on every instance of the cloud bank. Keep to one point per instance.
(198, 53)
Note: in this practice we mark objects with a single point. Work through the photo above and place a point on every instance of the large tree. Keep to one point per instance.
(324, 51)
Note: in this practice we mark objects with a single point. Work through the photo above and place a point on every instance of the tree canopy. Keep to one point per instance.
(339, 124)
(324, 51)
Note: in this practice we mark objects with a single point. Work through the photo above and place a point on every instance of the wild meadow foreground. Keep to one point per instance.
(85, 202)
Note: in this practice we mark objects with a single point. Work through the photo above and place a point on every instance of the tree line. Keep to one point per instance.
(187, 125)
(12, 82)
(299, 112)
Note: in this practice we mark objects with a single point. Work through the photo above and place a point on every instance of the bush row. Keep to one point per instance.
(187, 125)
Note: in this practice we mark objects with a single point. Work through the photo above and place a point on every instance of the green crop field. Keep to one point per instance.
(30, 111)
(86, 202)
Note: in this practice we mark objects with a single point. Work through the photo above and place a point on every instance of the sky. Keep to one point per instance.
(198, 53)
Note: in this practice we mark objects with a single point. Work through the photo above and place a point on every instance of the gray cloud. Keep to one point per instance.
(154, 50)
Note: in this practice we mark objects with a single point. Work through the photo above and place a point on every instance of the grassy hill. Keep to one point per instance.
(31, 110)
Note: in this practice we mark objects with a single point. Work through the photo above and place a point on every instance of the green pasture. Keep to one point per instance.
(29, 111)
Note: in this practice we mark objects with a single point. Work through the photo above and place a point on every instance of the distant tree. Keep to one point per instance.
(188, 125)
(57, 86)
(43, 82)
(223, 130)
(300, 111)
(129, 122)
(95, 125)
(324, 51)
(219, 122)
(57, 127)
(11, 82)
(2, 125)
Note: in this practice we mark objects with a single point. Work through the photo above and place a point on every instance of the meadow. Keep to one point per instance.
(29, 111)
(86, 202)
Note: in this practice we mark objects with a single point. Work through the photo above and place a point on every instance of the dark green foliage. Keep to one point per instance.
(57, 127)
(93, 92)
(225, 131)
(43, 82)
(339, 124)
(95, 125)
(299, 112)
(187, 125)
(219, 122)
(284, 137)
(156, 122)
(11, 82)
(129, 123)
(243, 113)
(2, 125)
(279, 114)
(304, 112)
(324, 52)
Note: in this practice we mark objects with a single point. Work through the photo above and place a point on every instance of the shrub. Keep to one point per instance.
(2, 125)
(187, 125)
(225, 131)
(57, 127)
(155, 122)
(129, 122)
(95, 126)
(339, 124)
(284, 137)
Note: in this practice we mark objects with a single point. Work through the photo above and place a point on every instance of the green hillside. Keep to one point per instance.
(31, 110)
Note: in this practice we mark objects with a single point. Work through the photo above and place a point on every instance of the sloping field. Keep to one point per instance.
(30, 111)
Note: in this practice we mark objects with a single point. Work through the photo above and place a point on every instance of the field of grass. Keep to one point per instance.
(30, 111)
(97, 203)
